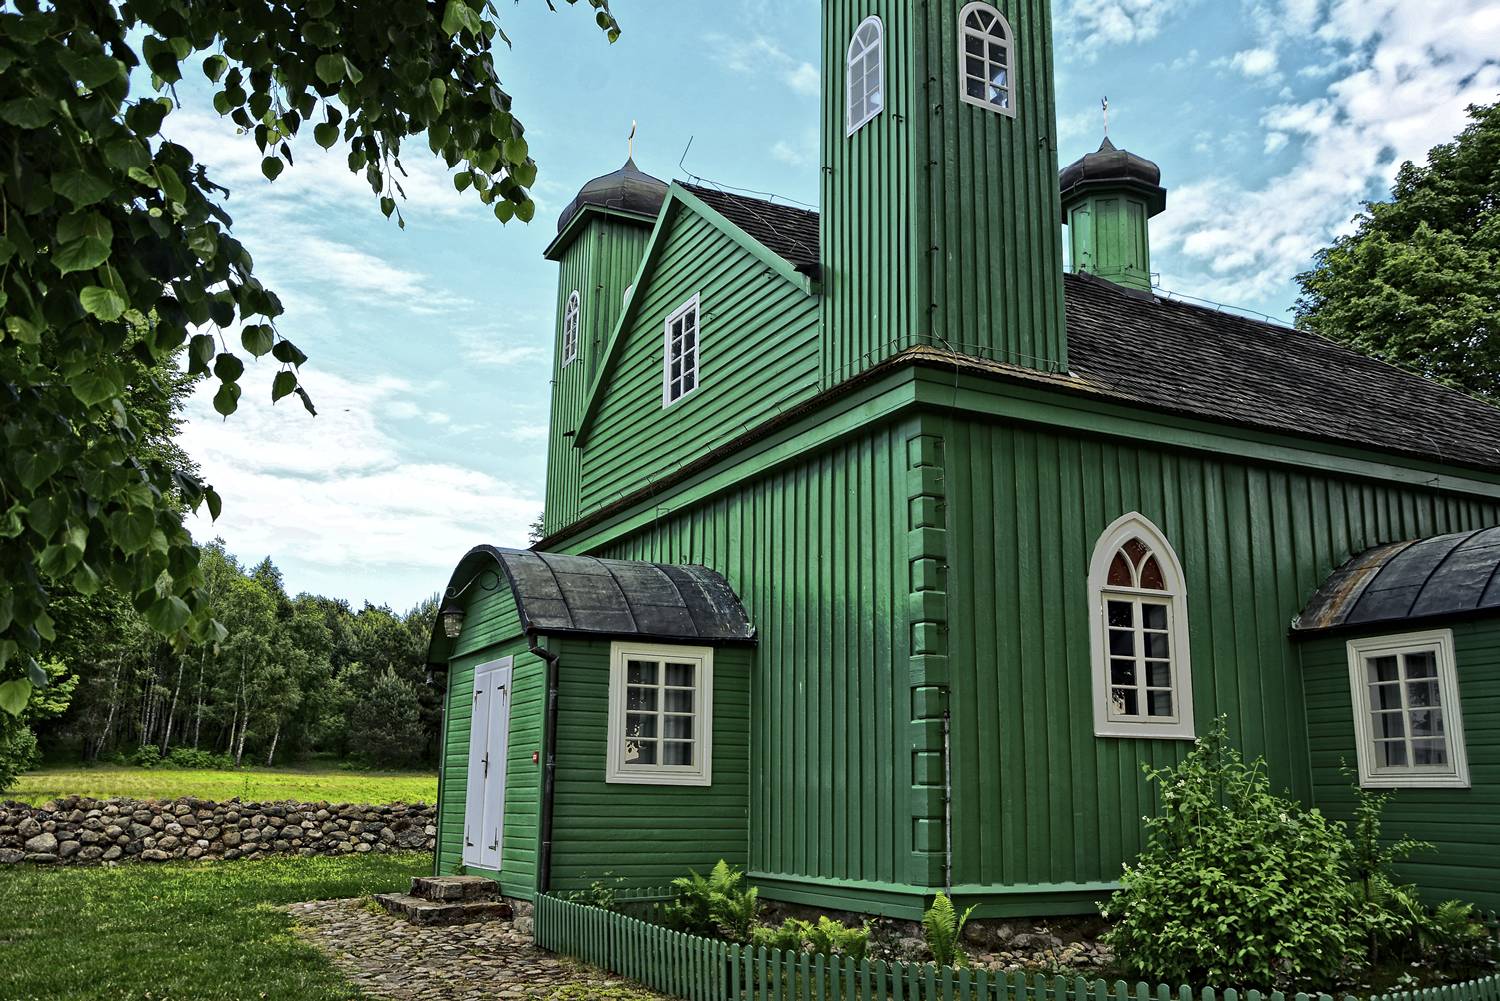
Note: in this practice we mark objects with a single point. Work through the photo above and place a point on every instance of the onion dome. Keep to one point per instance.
(1113, 168)
(626, 190)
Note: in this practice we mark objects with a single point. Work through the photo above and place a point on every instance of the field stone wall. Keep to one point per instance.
(80, 831)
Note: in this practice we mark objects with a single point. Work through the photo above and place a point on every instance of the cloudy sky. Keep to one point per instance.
(1272, 120)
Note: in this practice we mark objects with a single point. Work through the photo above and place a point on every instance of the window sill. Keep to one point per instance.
(660, 779)
(1146, 731)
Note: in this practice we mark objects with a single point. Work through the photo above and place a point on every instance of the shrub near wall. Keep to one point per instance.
(79, 831)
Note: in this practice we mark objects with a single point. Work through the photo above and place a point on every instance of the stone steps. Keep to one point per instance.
(448, 900)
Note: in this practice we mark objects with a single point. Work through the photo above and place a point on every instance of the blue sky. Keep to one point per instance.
(1272, 120)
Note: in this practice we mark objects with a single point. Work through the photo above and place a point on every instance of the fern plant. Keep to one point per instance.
(943, 928)
(718, 904)
(826, 938)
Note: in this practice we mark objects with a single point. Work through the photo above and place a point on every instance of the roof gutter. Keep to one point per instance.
(549, 767)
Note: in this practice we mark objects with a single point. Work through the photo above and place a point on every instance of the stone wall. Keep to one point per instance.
(78, 831)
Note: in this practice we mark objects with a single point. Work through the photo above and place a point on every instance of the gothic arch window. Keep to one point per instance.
(987, 55)
(1142, 676)
(570, 329)
(866, 68)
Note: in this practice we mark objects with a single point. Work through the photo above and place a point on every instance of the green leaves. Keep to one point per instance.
(81, 187)
(459, 16)
(227, 399)
(84, 254)
(330, 68)
(27, 112)
(97, 385)
(106, 304)
(282, 386)
(14, 695)
(272, 167)
(326, 134)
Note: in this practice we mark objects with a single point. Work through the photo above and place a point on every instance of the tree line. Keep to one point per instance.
(293, 676)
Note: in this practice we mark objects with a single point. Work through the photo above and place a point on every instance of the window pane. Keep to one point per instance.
(1390, 754)
(998, 55)
(974, 45)
(1159, 703)
(1421, 665)
(1122, 642)
(1159, 675)
(641, 672)
(677, 753)
(1388, 725)
(1121, 614)
(1158, 646)
(1422, 693)
(688, 382)
(640, 752)
(1125, 701)
(1120, 574)
(1429, 752)
(1155, 615)
(680, 675)
(1122, 672)
(1385, 697)
(1427, 723)
(1137, 551)
(638, 725)
(679, 701)
(642, 699)
(1383, 669)
(678, 727)
(1151, 576)
(976, 88)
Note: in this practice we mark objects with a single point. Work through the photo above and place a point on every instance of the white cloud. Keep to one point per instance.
(1089, 25)
(1411, 71)
(1255, 63)
(801, 153)
(339, 491)
(805, 79)
(762, 56)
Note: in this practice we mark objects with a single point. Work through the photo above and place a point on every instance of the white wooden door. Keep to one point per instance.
(489, 739)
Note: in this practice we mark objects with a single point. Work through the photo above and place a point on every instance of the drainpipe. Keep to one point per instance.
(549, 768)
(947, 803)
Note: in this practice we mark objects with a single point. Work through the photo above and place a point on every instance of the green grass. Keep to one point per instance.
(178, 932)
(250, 785)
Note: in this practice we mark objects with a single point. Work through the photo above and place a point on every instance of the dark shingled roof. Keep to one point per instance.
(628, 189)
(1212, 364)
(584, 595)
(1443, 577)
(787, 231)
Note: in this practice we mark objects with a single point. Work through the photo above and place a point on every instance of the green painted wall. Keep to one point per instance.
(758, 356)
(600, 264)
(1110, 236)
(1463, 824)
(820, 553)
(647, 835)
(492, 630)
(1037, 798)
(941, 222)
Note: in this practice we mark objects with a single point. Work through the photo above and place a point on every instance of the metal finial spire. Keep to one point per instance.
(1106, 117)
(632, 140)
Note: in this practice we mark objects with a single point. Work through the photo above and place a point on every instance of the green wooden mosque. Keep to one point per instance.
(882, 549)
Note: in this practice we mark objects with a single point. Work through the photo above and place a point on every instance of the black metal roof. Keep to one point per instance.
(584, 595)
(628, 189)
(1443, 577)
(1113, 167)
(789, 232)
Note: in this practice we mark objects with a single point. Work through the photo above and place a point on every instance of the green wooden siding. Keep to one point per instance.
(941, 222)
(1037, 798)
(1463, 824)
(1111, 238)
(492, 630)
(600, 264)
(647, 835)
(818, 552)
(758, 356)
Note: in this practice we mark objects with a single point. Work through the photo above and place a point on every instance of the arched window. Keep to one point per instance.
(570, 330)
(866, 65)
(987, 56)
(1143, 682)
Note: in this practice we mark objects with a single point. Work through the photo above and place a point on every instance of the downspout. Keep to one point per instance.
(437, 843)
(947, 802)
(549, 767)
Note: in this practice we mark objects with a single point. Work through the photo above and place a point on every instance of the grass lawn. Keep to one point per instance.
(178, 932)
(249, 784)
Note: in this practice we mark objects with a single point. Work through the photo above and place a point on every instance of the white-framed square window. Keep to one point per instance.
(1407, 720)
(680, 352)
(660, 715)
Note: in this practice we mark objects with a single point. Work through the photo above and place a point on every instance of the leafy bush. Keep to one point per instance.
(826, 938)
(719, 905)
(187, 757)
(943, 928)
(600, 894)
(1237, 886)
(18, 751)
(143, 757)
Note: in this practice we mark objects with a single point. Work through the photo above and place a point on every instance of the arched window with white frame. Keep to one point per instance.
(570, 329)
(987, 55)
(866, 79)
(1142, 673)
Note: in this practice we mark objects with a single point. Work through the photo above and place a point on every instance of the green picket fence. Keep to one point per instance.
(700, 969)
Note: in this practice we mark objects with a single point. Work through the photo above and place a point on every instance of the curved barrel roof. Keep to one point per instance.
(1443, 577)
(585, 595)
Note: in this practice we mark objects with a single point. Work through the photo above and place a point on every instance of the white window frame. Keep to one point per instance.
(571, 323)
(1107, 723)
(1455, 774)
(859, 56)
(700, 773)
(1008, 42)
(694, 306)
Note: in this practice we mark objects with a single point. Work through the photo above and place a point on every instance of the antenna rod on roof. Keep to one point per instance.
(682, 164)
(632, 139)
(1106, 118)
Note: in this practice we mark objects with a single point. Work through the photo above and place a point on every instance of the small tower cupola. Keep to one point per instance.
(628, 189)
(1108, 198)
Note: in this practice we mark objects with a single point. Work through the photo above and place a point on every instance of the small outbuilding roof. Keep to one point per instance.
(585, 595)
(1444, 577)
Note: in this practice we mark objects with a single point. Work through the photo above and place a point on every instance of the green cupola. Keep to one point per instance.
(1108, 200)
